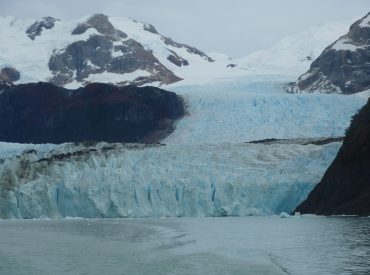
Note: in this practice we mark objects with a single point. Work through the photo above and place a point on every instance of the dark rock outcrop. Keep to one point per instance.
(168, 41)
(150, 28)
(44, 113)
(344, 66)
(177, 60)
(9, 75)
(101, 23)
(345, 187)
(4, 86)
(36, 28)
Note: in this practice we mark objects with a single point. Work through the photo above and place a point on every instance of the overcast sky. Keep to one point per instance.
(234, 27)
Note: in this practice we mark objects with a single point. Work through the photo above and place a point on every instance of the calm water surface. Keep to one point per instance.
(250, 245)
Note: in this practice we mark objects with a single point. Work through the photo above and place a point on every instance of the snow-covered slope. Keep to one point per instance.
(343, 66)
(116, 50)
(122, 50)
(294, 54)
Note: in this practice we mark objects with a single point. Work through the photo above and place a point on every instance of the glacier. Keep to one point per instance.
(121, 180)
(256, 107)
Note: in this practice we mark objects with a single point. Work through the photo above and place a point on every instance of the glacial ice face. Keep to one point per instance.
(163, 180)
(257, 108)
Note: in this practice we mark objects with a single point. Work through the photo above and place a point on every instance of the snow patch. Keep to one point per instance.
(364, 94)
(108, 77)
(365, 23)
(345, 44)
(293, 55)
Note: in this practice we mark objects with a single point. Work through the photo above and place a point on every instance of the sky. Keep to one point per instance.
(233, 27)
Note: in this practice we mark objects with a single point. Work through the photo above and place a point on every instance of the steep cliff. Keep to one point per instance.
(345, 187)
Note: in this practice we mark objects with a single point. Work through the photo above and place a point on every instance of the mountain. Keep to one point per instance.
(345, 187)
(343, 67)
(44, 113)
(97, 49)
(123, 51)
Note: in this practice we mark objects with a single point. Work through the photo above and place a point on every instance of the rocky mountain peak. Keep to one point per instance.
(100, 22)
(343, 67)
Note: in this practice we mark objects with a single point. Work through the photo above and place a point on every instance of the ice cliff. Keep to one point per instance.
(117, 180)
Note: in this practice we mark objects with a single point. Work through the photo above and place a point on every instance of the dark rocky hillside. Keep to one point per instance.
(44, 113)
(345, 187)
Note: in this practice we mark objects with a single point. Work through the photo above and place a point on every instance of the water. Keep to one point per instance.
(250, 245)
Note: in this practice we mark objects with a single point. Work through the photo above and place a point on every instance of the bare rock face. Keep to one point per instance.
(193, 50)
(101, 23)
(44, 113)
(345, 187)
(150, 28)
(108, 52)
(177, 60)
(36, 28)
(9, 75)
(343, 67)
(98, 48)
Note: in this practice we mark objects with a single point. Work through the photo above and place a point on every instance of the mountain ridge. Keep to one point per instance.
(124, 51)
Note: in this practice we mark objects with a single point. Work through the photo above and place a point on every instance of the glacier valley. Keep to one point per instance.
(204, 168)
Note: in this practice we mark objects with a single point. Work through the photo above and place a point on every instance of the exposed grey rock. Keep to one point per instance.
(9, 75)
(36, 28)
(344, 66)
(150, 28)
(81, 28)
(101, 23)
(94, 56)
(107, 49)
(193, 50)
(168, 41)
(177, 60)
